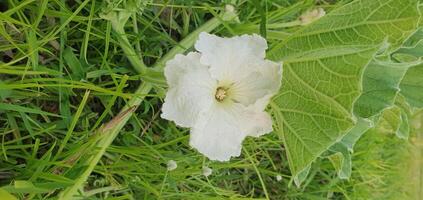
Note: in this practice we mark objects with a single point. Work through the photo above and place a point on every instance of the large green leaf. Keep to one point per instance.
(323, 65)
(381, 82)
(412, 48)
(395, 120)
(412, 86)
(412, 83)
(340, 154)
(349, 140)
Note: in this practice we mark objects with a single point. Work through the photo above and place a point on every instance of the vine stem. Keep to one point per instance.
(129, 51)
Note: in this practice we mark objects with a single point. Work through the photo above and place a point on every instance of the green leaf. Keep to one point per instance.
(6, 195)
(28, 187)
(405, 116)
(390, 121)
(302, 176)
(412, 83)
(395, 120)
(340, 153)
(341, 160)
(404, 129)
(78, 71)
(323, 66)
(18, 108)
(412, 48)
(412, 86)
(4, 92)
(355, 133)
(22, 186)
(381, 82)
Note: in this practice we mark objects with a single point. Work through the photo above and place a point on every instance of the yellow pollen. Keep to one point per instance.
(220, 94)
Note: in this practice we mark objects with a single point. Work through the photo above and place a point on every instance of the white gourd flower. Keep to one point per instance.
(221, 93)
(171, 165)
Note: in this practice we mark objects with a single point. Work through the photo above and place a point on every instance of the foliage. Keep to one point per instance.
(81, 87)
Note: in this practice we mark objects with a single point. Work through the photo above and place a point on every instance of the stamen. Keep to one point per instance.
(220, 94)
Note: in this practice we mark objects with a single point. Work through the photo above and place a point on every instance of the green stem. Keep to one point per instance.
(129, 51)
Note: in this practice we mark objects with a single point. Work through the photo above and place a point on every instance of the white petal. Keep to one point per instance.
(191, 89)
(219, 134)
(229, 58)
(216, 135)
(255, 122)
(265, 81)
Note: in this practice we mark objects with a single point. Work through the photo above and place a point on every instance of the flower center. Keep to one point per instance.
(221, 93)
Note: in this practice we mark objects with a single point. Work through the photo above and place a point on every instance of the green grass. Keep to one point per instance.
(66, 74)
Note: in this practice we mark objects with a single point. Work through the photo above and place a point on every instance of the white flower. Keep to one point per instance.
(221, 93)
(311, 16)
(207, 171)
(171, 165)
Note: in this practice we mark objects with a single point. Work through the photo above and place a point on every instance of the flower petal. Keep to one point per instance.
(265, 81)
(216, 135)
(191, 89)
(219, 134)
(254, 122)
(229, 58)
